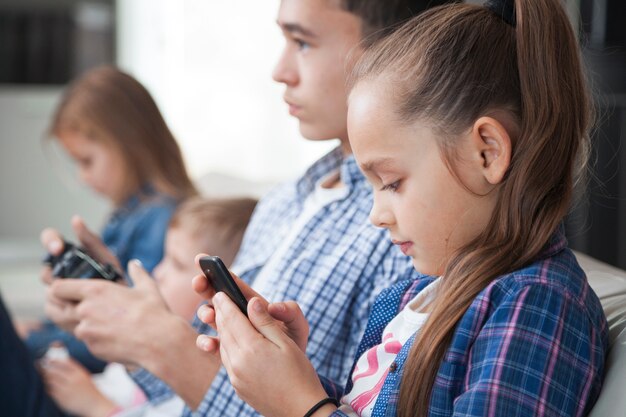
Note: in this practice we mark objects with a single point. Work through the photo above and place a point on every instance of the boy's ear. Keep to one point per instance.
(493, 142)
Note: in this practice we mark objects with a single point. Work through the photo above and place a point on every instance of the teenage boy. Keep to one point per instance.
(309, 240)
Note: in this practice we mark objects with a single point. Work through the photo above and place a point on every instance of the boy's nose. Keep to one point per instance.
(284, 72)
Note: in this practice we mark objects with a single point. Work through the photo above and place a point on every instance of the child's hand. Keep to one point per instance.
(266, 367)
(288, 313)
(294, 323)
(205, 313)
(94, 245)
(113, 320)
(60, 310)
(71, 386)
(53, 242)
(203, 287)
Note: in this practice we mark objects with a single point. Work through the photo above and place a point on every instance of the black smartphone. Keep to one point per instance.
(221, 280)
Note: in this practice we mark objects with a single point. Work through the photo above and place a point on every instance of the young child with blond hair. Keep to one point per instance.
(213, 226)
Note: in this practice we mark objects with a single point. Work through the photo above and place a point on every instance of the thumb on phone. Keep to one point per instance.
(261, 319)
(200, 283)
(296, 325)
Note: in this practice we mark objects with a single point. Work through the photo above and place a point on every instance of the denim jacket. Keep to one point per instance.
(136, 230)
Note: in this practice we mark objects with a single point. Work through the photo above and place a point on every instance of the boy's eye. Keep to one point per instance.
(391, 187)
(302, 45)
(179, 266)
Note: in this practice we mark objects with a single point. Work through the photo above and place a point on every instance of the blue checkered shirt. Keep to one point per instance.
(334, 269)
(533, 343)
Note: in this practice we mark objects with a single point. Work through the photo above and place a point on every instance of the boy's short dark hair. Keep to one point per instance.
(380, 17)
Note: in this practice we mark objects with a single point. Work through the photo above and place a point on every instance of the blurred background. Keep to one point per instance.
(208, 64)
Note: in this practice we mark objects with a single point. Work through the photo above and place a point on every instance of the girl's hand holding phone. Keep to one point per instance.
(288, 313)
(267, 368)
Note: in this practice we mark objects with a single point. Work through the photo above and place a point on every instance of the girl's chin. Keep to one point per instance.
(425, 267)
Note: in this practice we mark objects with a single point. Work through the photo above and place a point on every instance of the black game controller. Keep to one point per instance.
(75, 262)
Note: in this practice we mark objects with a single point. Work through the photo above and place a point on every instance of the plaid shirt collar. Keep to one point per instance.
(349, 172)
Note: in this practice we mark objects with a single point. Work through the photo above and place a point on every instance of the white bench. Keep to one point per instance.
(610, 285)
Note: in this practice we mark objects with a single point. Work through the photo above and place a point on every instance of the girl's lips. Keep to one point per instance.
(404, 246)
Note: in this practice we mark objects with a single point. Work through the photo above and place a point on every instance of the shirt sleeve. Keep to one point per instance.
(333, 389)
(538, 354)
(156, 390)
(205, 405)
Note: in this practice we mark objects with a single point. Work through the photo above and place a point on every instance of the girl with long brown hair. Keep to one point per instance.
(471, 123)
(111, 127)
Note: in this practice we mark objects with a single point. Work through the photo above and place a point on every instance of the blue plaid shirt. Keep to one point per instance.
(334, 269)
(532, 343)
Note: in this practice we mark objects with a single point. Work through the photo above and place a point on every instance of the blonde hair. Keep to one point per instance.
(452, 65)
(221, 221)
(108, 105)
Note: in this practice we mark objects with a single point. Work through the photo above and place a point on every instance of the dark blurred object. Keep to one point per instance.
(43, 44)
(75, 262)
(597, 225)
(602, 21)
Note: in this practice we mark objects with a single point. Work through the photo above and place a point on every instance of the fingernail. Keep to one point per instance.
(135, 263)
(256, 305)
(54, 246)
(280, 306)
(217, 298)
(205, 345)
(201, 342)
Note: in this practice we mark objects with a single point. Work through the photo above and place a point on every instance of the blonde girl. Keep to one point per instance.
(471, 123)
(111, 127)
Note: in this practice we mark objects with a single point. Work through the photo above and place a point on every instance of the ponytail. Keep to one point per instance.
(454, 64)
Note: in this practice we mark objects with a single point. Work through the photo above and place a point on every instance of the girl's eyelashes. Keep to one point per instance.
(391, 186)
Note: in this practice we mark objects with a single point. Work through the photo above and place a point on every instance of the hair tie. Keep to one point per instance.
(503, 8)
(320, 404)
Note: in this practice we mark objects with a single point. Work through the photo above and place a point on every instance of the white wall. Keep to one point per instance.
(37, 185)
(208, 64)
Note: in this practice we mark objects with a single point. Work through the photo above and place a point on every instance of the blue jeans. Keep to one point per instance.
(22, 391)
(39, 340)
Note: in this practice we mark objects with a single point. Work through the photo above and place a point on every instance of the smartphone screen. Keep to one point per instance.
(221, 280)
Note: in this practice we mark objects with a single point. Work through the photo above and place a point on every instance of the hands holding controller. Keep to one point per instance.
(130, 325)
(134, 326)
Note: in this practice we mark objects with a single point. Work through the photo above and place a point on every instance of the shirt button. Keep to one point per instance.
(393, 367)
